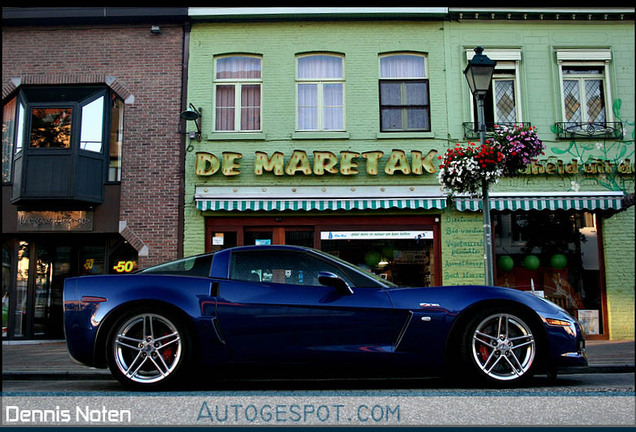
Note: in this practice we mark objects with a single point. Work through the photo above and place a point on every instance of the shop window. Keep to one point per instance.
(556, 255)
(60, 142)
(123, 259)
(223, 240)
(404, 93)
(237, 87)
(7, 276)
(402, 257)
(320, 92)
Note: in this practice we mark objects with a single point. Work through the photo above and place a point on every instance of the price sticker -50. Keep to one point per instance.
(124, 266)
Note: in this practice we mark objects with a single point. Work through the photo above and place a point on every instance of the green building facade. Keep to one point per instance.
(324, 129)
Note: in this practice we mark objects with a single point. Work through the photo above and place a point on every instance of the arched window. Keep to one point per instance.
(320, 92)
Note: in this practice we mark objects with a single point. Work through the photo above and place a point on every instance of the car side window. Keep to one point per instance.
(284, 267)
(191, 266)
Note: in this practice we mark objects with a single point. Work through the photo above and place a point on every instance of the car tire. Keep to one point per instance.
(149, 348)
(499, 347)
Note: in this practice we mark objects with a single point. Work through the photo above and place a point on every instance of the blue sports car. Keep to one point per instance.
(288, 305)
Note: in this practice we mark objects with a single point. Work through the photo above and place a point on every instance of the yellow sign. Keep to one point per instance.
(124, 266)
(346, 163)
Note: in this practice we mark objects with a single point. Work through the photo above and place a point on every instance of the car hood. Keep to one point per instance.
(456, 298)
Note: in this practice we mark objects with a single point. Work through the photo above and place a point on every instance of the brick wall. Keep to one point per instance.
(147, 70)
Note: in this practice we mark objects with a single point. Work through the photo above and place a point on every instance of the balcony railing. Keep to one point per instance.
(471, 129)
(595, 130)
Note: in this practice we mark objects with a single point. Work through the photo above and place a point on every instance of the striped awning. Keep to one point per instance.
(318, 198)
(545, 201)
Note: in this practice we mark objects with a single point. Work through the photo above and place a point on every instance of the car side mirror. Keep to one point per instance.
(332, 280)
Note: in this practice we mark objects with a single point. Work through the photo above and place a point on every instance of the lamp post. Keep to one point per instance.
(478, 73)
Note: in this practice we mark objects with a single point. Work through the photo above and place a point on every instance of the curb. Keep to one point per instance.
(56, 376)
(597, 369)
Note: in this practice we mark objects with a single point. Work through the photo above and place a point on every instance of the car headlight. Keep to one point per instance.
(568, 326)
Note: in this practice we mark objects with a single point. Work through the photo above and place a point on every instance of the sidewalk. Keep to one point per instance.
(50, 360)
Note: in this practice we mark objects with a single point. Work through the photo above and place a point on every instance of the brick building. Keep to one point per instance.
(92, 171)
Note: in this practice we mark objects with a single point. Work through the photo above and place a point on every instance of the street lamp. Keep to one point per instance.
(193, 114)
(478, 74)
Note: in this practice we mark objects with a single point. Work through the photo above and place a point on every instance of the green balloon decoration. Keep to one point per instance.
(531, 262)
(372, 258)
(559, 261)
(505, 263)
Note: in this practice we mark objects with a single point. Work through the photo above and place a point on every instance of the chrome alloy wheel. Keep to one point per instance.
(147, 348)
(503, 347)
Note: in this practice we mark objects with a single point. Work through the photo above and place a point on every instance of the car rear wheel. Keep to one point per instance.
(499, 347)
(148, 349)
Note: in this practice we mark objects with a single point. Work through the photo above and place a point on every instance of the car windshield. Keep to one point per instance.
(193, 266)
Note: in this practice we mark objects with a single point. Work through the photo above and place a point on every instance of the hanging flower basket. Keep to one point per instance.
(464, 169)
(519, 145)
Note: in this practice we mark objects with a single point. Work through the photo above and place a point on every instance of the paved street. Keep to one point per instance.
(601, 399)
(565, 384)
(40, 379)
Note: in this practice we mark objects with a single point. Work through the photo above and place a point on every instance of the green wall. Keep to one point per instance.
(278, 44)
(445, 44)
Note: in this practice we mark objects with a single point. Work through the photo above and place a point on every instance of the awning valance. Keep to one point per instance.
(545, 201)
(318, 198)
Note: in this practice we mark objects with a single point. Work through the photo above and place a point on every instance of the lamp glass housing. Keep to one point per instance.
(479, 73)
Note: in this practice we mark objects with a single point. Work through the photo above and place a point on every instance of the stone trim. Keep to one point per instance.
(73, 79)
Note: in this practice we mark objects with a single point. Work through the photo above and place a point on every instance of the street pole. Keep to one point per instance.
(478, 74)
(485, 200)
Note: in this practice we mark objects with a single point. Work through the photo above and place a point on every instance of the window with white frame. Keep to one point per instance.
(237, 86)
(501, 104)
(404, 93)
(585, 93)
(320, 92)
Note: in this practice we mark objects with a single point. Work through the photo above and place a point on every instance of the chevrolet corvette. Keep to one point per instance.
(255, 306)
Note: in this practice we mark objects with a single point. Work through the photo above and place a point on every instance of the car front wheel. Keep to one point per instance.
(500, 347)
(148, 349)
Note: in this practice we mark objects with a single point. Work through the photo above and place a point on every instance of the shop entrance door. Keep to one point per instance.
(37, 312)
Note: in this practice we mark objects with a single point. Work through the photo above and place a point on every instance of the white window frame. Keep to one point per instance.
(320, 83)
(591, 58)
(238, 83)
(507, 60)
(404, 79)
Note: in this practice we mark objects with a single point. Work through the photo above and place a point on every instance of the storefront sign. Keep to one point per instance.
(345, 163)
(368, 235)
(595, 166)
(43, 221)
(349, 163)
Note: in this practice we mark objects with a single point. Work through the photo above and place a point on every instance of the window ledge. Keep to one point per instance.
(405, 135)
(321, 135)
(235, 136)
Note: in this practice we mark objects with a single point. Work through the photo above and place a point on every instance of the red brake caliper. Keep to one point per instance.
(484, 352)
(167, 353)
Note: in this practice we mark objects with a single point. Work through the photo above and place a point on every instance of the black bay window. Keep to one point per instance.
(65, 143)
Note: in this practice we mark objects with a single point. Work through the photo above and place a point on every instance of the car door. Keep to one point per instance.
(274, 308)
